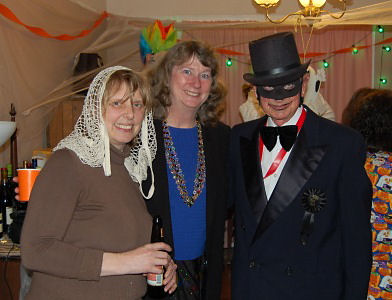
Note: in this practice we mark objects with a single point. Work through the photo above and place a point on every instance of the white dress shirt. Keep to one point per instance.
(269, 157)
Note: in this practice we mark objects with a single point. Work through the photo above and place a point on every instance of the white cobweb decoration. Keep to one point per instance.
(90, 140)
(142, 154)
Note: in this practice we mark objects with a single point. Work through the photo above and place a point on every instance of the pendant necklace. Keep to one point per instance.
(175, 167)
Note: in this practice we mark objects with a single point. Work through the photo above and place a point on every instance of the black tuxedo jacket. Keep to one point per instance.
(270, 262)
(216, 145)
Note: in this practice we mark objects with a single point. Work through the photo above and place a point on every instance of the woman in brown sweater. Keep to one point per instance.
(87, 230)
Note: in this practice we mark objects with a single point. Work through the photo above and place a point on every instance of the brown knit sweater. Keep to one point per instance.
(76, 214)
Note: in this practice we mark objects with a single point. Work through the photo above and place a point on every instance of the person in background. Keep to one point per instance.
(313, 98)
(190, 165)
(301, 194)
(355, 103)
(370, 112)
(87, 229)
(250, 109)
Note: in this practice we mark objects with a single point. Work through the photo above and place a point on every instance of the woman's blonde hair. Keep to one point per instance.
(134, 82)
(159, 78)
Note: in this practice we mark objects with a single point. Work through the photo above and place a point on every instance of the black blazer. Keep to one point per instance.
(270, 262)
(216, 144)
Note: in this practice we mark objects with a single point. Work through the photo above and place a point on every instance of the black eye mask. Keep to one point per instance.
(278, 92)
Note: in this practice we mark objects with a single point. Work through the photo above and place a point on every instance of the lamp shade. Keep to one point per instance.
(316, 3)
(266, 2)
(6, 130)
(304, 3)
(319, 3)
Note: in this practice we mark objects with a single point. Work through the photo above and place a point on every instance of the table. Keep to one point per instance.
(9, 269)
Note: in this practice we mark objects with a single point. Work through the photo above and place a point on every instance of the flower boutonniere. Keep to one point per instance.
(313, 201)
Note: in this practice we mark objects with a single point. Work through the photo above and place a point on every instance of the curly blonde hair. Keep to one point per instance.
(159, 78)
(134, 81)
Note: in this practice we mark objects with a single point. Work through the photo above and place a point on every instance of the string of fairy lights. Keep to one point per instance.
(355, 49)
(385, 49)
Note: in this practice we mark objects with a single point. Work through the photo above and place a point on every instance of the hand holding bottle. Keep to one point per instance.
(148, 258)
(170, 277)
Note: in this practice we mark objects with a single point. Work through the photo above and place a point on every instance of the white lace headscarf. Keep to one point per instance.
(90, 139)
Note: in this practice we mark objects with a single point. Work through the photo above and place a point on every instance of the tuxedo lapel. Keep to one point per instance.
(253, 178)
(303, 161)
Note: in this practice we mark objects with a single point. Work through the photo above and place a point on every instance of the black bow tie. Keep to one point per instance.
(287, 135)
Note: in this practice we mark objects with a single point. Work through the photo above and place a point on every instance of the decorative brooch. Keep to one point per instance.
(313, 200)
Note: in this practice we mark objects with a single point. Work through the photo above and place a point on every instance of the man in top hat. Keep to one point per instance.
(302, 197)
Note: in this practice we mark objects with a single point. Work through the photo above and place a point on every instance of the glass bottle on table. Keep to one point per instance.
(25, 164)
(155, 288)
(10, 183)
(6, 200)
(34, 163)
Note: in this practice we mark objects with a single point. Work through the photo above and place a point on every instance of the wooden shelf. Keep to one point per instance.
(64, 118)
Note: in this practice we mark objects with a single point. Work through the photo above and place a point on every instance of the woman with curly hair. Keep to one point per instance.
(370, 112)
(190, 165)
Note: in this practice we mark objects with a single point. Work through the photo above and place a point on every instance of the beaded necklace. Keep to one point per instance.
(175, 167)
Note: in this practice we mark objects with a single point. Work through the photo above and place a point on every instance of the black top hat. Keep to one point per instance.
(275, 60)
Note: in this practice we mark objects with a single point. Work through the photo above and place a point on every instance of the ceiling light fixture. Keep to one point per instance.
(311, 9)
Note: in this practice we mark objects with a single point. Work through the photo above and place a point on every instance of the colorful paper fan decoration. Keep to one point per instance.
(155, 38)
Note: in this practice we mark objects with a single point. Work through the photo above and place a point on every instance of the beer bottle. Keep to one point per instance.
(10, 182)
(6, 201)
(155, 288)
